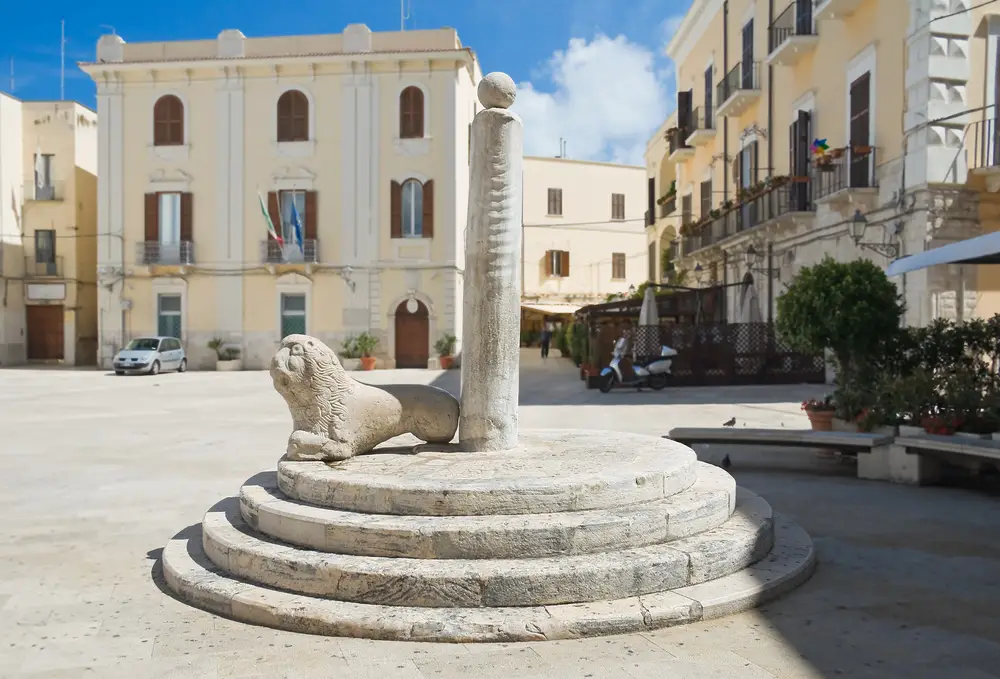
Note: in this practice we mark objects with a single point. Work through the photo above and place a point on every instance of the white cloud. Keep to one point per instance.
(608, 98)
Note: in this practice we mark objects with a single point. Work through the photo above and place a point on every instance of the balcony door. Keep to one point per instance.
(803, 17)
(746, 176)
(799, 135)
(747, 82)
(860, 131)
(708, 114)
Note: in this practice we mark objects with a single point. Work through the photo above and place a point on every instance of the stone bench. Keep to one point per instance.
(872, 449)
(917, 459)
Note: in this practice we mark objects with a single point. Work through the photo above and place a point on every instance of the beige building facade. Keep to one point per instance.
(48, 232)
(355, 146)
(583, 234)
(890, 89)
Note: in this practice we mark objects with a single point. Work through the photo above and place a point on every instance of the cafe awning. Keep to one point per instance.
(983, 249)
(553, 308)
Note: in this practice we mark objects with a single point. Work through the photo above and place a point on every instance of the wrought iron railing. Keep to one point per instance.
(668, 206)
(166, 254)
(50, 267)
(678, 139)
(848, 168)
(49, 190)
(983, 137)
(702, 118)
(272, 252)
(743, 76)
(789, 23)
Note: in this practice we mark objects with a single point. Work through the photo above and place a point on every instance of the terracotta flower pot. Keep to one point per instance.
(446, 362)
(821, 420)
(367, 362)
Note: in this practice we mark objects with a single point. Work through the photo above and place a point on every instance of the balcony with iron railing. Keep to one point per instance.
(790, 198)
(702, 126)
(792, 35)
(835, 9)
(679, 150)
(668, 206)
(983, 142)
(48, 191)
(154, 253)
(738, 90)
(272, 252)
(844, 176)
(48, 267)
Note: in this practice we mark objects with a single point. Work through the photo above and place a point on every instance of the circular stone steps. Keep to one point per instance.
(551, 471)
(741, 541)
(194, 579)
(705, 505)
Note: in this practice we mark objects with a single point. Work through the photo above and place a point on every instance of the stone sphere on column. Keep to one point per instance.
(497, 90)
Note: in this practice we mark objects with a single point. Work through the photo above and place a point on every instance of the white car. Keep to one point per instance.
(151, 355)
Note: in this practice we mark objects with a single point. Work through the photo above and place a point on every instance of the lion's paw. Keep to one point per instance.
(303, 445)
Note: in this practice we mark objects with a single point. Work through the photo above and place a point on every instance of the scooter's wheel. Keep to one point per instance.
(658, 381)
(608, 383)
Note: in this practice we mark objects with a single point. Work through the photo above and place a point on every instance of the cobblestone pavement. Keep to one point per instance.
(98, 472)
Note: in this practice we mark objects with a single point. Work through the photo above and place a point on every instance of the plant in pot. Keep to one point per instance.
(366, 343)
(227, 358)
(350, 355)
(445, 348)
(820, 412)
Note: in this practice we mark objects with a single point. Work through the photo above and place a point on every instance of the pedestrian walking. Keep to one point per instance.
(546, 338)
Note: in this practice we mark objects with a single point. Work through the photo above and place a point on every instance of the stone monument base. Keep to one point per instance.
(575, 533)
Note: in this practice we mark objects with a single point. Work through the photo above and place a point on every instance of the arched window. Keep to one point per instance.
(293, 116)
(168, 121)
(413, 209)
(411, 113)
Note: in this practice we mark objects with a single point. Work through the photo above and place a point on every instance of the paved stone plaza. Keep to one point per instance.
(99, 472)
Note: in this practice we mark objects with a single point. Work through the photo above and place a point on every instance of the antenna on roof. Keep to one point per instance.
(559, 155)
(12, 75)
(108, 26)
(405, 9)
(62, 60)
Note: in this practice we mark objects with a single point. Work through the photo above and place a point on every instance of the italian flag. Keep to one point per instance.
(267, 219)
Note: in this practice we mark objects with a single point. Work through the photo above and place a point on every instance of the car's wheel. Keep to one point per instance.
(119, 372)
(658, 381)
(608, 383)
(183, 366)
(155, 368)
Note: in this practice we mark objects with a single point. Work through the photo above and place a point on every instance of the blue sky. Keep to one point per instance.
(589, 70)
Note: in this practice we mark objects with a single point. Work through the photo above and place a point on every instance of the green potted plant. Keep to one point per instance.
(365, 344)
(445, 348)
(227, 358)
(350, 356)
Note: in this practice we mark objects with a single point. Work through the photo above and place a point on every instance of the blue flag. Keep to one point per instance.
(296, 225)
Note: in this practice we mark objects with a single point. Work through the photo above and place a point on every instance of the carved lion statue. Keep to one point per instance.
(335, 417)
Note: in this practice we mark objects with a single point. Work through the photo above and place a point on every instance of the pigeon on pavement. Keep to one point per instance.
(726, 462)
(730, 423)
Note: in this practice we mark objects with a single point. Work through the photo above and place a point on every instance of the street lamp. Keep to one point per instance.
(631, 290)
(699, 274)
(859, 225)
(753, 259)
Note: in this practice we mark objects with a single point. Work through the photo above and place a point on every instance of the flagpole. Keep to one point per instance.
(62, 60)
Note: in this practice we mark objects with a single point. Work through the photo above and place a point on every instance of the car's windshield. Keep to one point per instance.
(143, 344)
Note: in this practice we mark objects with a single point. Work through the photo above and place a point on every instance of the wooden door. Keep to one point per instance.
(860, 131)
(412, 337)
(45, 332)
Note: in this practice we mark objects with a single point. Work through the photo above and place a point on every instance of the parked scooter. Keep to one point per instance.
(654, 374)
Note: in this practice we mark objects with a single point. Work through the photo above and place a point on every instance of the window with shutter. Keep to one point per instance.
(395, 210)
(706, 198)
(555, 203)
(617, 206)
(709, 114)
(748, 66)
(564, 263)
(411, 113)
(684, 116)
(860, 130)
(168, 121)
(412, 209)
(618, 265)
(686, 210)
(293, 116)
(428, 224)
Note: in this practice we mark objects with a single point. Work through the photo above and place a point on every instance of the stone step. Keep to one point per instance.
(550, 471)
(705, 505)
(194, 578)
(744, 539)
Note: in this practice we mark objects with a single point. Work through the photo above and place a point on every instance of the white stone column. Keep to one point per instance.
(491, 309)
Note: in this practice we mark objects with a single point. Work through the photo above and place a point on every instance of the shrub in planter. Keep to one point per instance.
(227, 358)
(445, 349)
(578, 342)
(561, 339)
(820, 412)
(350, 356)
(365, 344)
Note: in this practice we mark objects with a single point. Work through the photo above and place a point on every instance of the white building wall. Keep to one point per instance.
(12, 321)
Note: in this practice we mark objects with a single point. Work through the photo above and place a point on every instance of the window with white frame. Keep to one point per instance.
(168, 315)
(413, 209)
(293, 314)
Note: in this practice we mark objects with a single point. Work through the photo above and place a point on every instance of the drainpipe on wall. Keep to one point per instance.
(770, 99)
(725, 121)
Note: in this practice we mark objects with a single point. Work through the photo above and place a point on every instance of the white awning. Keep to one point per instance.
(980, 250)
(554, 308)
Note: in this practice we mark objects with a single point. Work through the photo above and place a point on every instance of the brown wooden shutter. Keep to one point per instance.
(311, 217)
(548, 262)
(428, 230)
(187, 217)
(152, 233)
(564, 256)
(683, 116)
(754, 164)
(396, 210)
(274, 212)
